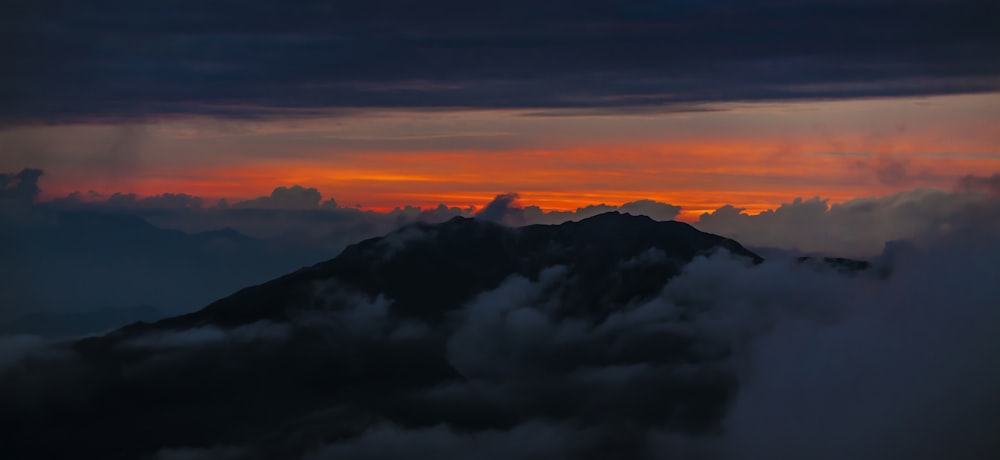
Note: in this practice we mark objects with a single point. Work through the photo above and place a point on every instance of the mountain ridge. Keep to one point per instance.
(374, 266)
(467, 324)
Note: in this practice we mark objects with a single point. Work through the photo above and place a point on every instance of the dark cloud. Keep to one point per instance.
(117, 60)
(162, 201)
(294, 197)
(130, 202)
(532, 440)
(19, 188)
(207, 335)
(506, 209)
(971, 183)
(300, 213)
(653, 209)
(503, 209)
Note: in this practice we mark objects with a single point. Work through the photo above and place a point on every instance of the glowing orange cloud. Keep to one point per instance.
(700, 178)
(752, 156)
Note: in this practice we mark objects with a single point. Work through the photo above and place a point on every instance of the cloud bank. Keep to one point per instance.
(728, 360)
(264, 59)
(221, 247)
(860, 227)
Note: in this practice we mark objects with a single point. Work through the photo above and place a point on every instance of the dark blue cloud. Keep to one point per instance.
(67, 61)
(21, 187)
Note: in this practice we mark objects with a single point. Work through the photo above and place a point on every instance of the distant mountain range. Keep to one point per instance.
(431, 269)
(467, 323)
(77, 324)
(65, 261)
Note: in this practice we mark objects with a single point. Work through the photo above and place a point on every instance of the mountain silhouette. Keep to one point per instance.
(430, 269)
(83, 253)
(417, 328)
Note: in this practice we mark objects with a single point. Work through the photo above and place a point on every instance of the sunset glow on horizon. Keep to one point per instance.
(752, 156)
(545, 229)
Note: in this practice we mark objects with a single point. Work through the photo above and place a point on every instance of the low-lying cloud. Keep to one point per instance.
(730, 360)
(860, 227)
(905, 371)
(54, 243)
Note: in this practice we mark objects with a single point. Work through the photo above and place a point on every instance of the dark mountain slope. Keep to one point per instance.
(65, 261)
(428, 270)
(466, 323)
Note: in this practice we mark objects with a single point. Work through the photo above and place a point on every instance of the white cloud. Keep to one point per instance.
(859, 227)
(208, 335)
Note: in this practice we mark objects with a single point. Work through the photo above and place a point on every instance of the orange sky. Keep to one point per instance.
(754, 156)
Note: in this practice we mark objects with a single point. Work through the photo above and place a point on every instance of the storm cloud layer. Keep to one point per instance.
(100, 60)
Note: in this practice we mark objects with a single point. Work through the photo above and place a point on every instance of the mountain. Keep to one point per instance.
(465, 324)
(428, 270)
(64, 261)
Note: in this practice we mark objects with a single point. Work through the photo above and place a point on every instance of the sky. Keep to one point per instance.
(393, 103)
(397, 220)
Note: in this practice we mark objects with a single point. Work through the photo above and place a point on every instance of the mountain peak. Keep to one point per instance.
(427, 270)
(385, 331)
